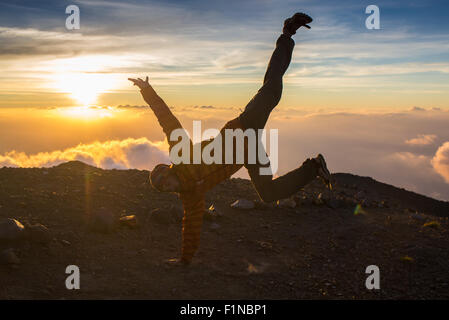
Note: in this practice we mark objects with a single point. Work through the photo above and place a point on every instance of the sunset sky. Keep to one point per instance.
(374, 102)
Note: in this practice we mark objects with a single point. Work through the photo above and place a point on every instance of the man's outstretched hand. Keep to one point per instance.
(140, 83)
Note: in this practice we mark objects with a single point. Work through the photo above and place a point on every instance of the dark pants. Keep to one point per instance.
(255, 116)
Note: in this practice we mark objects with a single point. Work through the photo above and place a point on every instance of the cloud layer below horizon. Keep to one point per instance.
(115, 154)
(408, 149)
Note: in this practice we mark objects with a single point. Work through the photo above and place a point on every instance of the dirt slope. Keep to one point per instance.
(319, 249)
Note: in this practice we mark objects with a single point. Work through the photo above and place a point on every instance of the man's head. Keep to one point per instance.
(164, 179)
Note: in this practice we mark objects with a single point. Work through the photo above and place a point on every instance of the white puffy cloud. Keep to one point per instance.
(422, 139)
(440, 161)
(115, 154)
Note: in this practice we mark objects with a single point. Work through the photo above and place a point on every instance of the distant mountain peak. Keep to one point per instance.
(75, 164)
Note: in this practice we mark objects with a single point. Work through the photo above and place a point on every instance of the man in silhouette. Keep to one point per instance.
(191, 181)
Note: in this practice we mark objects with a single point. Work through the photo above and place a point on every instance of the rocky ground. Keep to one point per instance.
(315, 245)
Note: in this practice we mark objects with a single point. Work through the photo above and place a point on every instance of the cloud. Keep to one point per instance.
(203, 107)
(369, 144)
(440, 161)
(422, 139)
(218, 46)
(127, 106)
(115, 154)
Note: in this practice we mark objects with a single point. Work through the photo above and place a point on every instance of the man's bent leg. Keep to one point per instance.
(270, 189)
(257, 111)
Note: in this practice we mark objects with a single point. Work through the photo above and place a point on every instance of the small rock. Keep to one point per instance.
(432, 224)
(38, 233)
(212, 213)
(143, 251)
(129, 221)
(11, 229)
(319, 200)
(286, 203)
(66, 243)
(243, 204)
(9, 257)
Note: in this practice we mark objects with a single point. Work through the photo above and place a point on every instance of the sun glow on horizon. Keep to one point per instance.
(85, 112)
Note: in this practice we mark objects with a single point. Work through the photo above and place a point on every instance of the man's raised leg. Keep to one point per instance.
(258, 110)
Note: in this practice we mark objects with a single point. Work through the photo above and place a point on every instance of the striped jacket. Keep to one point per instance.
(196, 179)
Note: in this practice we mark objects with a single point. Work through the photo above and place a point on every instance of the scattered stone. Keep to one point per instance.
(213, 212)
(432, 224)
(407, 259)
(66, 243)
(129, 221)
(9, 257)
(11, 229)
(286, 203)
(319, 200)
(243, 204)
(38, 233)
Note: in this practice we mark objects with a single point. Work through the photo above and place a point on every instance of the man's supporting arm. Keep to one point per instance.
(194, 207)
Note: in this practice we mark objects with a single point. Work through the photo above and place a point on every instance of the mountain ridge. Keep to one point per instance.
(119, 231)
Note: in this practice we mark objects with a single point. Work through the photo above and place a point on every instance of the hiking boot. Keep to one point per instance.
(323, 172)
(295, 22)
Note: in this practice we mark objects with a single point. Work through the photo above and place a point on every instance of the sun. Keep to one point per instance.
(85, 78)
(84, 88)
